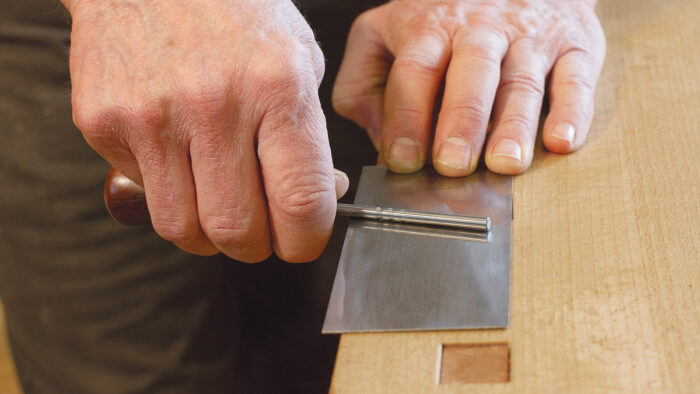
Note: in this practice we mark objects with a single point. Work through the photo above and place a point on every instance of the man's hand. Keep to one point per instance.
(213, 107)
(494, 57)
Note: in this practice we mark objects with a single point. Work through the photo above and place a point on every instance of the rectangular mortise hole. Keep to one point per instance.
(475, 363)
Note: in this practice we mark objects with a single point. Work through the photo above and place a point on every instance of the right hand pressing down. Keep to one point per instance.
(211, 106)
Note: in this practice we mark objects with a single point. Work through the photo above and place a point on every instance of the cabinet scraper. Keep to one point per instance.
(435, 256)
(396, 276)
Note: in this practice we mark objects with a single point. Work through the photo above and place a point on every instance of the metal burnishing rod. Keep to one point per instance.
(415, 217)
(126, 202)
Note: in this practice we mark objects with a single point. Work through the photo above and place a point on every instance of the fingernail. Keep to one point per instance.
(455, 152)
(564, 132)
(404, 154)
(508, 148)
(342, 183)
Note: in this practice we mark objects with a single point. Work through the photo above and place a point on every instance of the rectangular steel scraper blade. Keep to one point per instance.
(394, 277)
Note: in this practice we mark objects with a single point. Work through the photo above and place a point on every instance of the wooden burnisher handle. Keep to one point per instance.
(125, 200)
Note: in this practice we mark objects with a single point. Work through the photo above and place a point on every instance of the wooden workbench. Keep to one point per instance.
(605, 280)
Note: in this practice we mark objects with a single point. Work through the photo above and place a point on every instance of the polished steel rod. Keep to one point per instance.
(415, 217)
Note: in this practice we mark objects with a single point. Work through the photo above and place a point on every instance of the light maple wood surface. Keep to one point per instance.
(605, 277)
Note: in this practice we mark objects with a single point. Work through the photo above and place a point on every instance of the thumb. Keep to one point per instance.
(342, 183)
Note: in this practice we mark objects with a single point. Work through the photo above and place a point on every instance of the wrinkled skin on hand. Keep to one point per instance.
(213, 107)
(494, 57)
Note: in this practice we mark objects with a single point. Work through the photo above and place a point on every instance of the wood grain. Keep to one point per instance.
(125, 200)
(606, 242)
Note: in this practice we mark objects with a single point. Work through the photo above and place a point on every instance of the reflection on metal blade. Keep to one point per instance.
(397, 277)
(465, 235)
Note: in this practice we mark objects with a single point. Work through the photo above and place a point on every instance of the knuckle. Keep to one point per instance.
(362, 22)
(523, 81)
(417, 64)
(424, 54)
(232, 230)
(106, 124)
(343, 102)
(87, 118)
(578, 81)
(516, 122)
(147, 115)
(204, 104)
(427, 25)
(90, 118)
(354, 99)
(574, 109)
(482, 52)
(345, 106)
(174, 229)
(579, 46)
(284, 81)
(407, 116)
(303, 203)
(477, 46)
(587, 48)
(592, 27)
(318, 62)
(473, 110)
(288, 67)
(101, 128)
(356, 105)
(284, 109)
(94, 127)
(206, 96)
(237, 237)
(308, 53)
(304, 197)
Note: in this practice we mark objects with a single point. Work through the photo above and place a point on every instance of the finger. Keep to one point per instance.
(298, 176)
(572, 91)
(517, 109)
(358, 93)
(170, 194)
(470, 87)
(411, 90)
(230, 196)
(342, 183)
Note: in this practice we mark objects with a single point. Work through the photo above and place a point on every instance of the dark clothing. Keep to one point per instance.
(95, 307)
